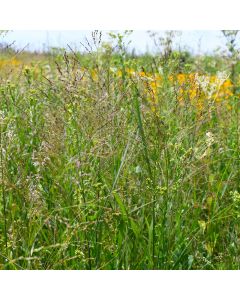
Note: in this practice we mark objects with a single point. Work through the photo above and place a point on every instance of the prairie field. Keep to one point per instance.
(112, 160)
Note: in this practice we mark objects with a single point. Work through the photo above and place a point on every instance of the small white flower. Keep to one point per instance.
(221, 77)
(138, 169)
(203, 82)
(209, 138)
(113, 69)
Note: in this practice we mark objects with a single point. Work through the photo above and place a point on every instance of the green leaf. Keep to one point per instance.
(121, 206)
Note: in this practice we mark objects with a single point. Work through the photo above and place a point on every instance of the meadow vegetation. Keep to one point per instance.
(109, 160)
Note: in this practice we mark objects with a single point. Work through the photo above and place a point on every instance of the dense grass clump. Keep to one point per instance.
(109, 161)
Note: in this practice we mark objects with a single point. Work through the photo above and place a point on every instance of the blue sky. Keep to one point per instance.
(195, 41)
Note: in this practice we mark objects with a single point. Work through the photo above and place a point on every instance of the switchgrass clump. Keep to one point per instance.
(112, 162)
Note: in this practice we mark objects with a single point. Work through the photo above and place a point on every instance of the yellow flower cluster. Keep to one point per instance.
(194, 87)
(9, 63)
(190, 87)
